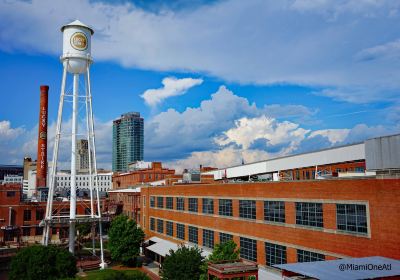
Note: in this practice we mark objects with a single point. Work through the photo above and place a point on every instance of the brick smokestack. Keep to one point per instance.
(41, 166)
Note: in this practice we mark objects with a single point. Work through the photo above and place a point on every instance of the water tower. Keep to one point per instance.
(76, 60)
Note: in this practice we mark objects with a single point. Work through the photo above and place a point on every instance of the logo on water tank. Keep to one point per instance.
(79, 41)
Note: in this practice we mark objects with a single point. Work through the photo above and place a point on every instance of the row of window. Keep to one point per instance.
(28, 215)
(274, 253)
(350, 217)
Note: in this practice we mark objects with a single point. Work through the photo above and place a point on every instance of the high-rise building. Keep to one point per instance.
(82, 159)
(127, 140)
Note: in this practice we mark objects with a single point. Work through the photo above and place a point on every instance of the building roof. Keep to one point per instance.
(135, 190)
(162, 247)
(345, 153)
(346, 269)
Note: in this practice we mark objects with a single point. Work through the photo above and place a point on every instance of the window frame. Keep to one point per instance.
(311, 210)
(246, 212)
(224, 209)
(208, 206)
(274, 211)
(246, 252)
(208, 238)
(275, 254)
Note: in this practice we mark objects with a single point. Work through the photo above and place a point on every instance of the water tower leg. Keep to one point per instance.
(50, 196)
(103, 264)
(72, 209)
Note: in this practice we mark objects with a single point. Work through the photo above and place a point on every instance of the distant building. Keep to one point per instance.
(13, 179)
(144, 175)
(10, 170)
(128, 135)
(63, 181)
(82, 159)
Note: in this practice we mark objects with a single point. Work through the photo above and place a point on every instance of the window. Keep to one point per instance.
(307, 256)
(248, 249)
(247, 209)
(38, 230)
(224, 237)
(27, 215)
(351, 217)
(180, 203)
(152, 201)
(225, 207)
(26, 231)
(208, 238)
(11, 194)
(274, 211)
(274, 254)
(39, 214)
(170, 203)
(144, 201)
(359, 169)
(160, 202)
(180, 231)
(170, 228)
(194, 235)
(193, 206)
(160, 226)
(208, 206)
(309, 214)
(152, 224)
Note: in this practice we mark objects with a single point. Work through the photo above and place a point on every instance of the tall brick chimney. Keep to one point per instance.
(41, 166)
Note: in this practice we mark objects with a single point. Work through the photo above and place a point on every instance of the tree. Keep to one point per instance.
(42, 262)
(226, 251)
(124, 239)
(184, 263)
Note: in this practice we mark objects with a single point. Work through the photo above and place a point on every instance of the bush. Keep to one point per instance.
(184, 263)
(42, 262)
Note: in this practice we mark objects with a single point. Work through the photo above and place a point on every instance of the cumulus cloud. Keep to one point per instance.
(8, 133)
(317, 43)
(171, 87)
(246, 131)
(20, 142)
(334, 135)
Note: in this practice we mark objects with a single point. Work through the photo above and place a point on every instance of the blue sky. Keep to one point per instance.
(216, 81)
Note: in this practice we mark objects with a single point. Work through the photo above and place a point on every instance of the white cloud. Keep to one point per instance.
(7, 133)
(16, 143)
(314, 43)
(225, 157)
(171, 87)
(334, 135)
(248, 130)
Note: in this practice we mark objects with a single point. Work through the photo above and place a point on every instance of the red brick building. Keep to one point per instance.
(131, 179)
(353, 210)
(298, 221)
(19, 220)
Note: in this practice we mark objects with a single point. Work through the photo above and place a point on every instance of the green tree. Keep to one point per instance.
(184, 263)
(124, 239)
(226, 251)
(42, 262)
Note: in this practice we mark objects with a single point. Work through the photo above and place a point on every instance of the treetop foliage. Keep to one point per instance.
(124, 239)
(42, 263)
(184, 263)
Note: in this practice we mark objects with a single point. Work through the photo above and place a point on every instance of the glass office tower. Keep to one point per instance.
(128, 135)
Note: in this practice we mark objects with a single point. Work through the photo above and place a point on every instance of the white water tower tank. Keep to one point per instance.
(76, 47)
